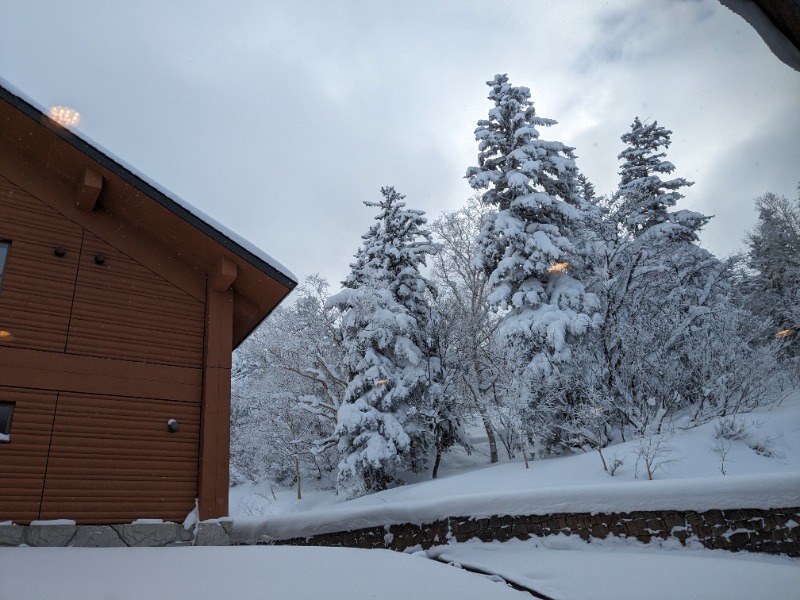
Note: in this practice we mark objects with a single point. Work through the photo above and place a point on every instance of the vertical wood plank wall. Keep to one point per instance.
(102, 353)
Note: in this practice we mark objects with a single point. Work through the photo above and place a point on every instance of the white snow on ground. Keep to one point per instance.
(238, 573)
(559, 566)
(567, 567)
(763, 470)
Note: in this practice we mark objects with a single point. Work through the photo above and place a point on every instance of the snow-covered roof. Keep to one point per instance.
(201, 221)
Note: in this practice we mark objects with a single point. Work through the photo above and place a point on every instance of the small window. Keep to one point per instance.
(6, 412)
(4, 247)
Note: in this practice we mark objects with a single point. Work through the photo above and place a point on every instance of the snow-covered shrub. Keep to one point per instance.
(616, 463)
(287, 386)
(654, 452)
(730, 428)
(722, 448)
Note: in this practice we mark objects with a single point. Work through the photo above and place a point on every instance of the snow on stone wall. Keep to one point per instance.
(773, 531)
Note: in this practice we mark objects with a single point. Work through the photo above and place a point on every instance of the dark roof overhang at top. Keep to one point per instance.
(777, 22)
(263, 282)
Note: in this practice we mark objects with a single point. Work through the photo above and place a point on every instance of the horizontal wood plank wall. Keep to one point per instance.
(64, 372)
(123, 310)
(113, 459)
(37, 288)
(24, 460)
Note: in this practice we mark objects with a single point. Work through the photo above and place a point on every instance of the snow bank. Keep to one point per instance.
(776, 490)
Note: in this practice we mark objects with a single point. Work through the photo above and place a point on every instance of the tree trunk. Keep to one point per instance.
(479, 397)
(297, 474)
(524, 452)
(603, 458)
(493, 457)
(437, 462)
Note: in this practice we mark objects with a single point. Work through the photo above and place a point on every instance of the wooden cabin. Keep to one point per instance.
(119, 310)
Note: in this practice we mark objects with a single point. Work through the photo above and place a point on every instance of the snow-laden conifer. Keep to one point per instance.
(773, 286)
(586, 188)
(529, 245)
(383, 425)
(672, 336)
(643, 200)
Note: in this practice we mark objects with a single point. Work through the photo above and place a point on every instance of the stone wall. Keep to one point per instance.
(107, 536)
(774, 531)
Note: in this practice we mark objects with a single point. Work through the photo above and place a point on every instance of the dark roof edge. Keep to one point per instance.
(147, 188)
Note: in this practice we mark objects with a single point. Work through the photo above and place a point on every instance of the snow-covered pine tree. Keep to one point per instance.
(666, 301)
(384, 424)
(643, 199)
(528, 246)
(773, 288)
(586, 188)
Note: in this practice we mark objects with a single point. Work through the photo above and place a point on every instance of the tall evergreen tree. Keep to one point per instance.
(774, 257)
(383, 425)
(666, 299)
(643, 199)
(586, 188)
(528, 245)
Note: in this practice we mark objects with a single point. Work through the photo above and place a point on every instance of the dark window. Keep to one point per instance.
(4, 247)
(6, 412)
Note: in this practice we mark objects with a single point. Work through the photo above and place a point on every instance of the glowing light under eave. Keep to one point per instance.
(65, 116)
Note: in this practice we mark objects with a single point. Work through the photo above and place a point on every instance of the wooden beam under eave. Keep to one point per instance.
(223, 274)
(89, 190)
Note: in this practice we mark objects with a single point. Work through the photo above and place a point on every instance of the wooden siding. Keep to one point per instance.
(36, 298)
(23, 461)
(101, 356)
(113, 459)
(118, 309)
(63, 372)
(105, 353)
(123, 310)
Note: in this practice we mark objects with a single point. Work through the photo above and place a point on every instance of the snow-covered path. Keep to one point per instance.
(567, 568)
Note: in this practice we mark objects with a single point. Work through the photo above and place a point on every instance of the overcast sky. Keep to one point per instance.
(279, 118)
